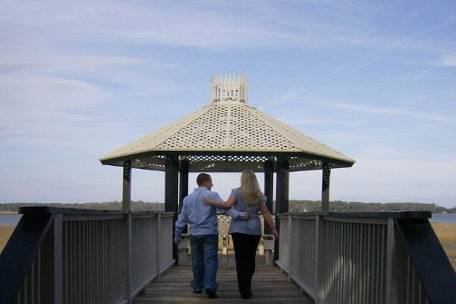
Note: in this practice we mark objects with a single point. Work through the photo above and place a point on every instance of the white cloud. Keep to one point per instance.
(390, 111)
(35, 92)
(66, 62)
(210, 25)
(447, 60)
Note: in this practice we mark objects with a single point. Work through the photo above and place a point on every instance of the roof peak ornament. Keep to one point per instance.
(229, 87)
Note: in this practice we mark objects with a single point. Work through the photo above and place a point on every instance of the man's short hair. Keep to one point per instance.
(202, 177)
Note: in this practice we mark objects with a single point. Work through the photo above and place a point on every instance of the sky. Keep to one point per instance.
(375, 80)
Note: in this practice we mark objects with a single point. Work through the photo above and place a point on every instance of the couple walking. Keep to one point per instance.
(199, 210)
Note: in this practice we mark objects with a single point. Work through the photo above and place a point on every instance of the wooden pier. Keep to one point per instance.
(76, 256)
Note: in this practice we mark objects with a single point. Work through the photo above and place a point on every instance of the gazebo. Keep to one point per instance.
(227, 135)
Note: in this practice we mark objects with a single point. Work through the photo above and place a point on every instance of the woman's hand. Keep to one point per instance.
(276, 233)
(209, 202)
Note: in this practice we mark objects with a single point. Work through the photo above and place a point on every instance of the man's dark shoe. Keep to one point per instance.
(211, 294)
(197, 291)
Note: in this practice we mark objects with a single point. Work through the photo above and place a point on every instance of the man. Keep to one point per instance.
(203, 234)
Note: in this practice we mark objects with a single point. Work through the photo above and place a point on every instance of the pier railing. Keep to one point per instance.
(84, 256)
(377, 257)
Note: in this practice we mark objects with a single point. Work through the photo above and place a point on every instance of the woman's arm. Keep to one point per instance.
(268, 219)
(220, 204)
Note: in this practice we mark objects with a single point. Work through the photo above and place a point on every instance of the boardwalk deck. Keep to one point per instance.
(269, 286)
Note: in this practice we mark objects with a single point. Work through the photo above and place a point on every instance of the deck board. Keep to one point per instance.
(269, 285)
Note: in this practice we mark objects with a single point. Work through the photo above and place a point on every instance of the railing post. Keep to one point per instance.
(157, 246)
(58, 259)
(390, 294)
(290, 246)
(129, 257)
(319, 260)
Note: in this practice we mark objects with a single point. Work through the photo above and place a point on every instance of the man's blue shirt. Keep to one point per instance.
(202, 219)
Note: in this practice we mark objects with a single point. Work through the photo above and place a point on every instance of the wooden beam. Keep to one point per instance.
(326, 173)
(126, 194)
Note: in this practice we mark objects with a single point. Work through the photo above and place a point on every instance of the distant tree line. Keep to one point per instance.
(294, 206)
(136, 205)
(341, 206)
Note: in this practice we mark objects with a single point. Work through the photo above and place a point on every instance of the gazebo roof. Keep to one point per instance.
(227, 135)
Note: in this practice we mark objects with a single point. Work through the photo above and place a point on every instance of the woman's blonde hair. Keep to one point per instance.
(250, 189)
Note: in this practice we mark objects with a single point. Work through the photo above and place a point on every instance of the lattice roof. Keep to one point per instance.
(227, 135)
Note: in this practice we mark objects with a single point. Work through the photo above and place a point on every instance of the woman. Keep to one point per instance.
(246, 234)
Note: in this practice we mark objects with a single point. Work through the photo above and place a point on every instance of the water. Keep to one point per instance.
(10, 219)
(444, 218)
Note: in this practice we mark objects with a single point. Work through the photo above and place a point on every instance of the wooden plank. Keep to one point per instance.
(269, 285)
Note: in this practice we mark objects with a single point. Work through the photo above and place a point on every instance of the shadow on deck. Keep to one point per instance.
(270, 285)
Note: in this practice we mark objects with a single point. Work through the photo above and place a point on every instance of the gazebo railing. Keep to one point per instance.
(84, 256)
(377, 257)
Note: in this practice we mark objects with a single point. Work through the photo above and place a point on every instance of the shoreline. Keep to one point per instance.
(8, 212)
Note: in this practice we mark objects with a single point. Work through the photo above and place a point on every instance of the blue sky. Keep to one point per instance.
(374, 80)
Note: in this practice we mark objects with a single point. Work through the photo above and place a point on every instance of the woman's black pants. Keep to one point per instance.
(245, 246)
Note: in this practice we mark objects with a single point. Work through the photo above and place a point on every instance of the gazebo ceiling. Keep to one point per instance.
(227, 135)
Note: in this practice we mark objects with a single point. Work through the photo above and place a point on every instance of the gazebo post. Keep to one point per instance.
(126, 207)
(326, 173)
(183, 181)
(126, 192)
(282, 190)
(171, 195)
(282, 185)
(183, 184)
(269, 188)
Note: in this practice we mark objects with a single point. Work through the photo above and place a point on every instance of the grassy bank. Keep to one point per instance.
(447, 236)
(5, 233)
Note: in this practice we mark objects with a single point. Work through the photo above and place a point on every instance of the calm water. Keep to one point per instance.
(9, 219)
(444, 218)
